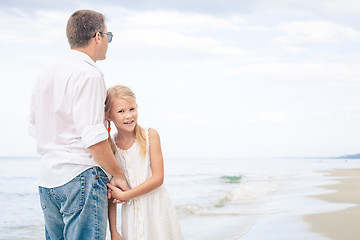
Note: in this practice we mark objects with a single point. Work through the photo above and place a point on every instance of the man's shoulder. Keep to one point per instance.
(75, 67)
(72, 71)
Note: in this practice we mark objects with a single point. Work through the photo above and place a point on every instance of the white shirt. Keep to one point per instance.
(67, 117)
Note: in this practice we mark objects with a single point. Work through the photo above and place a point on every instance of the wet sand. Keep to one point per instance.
(343, 224)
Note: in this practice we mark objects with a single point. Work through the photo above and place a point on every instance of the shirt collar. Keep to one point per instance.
(84, 57)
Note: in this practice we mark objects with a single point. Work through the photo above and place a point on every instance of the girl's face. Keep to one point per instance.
(123, 113)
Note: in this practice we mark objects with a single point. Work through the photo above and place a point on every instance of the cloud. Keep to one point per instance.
(169, 39)
(42, 27)
(261, 117)
(298, 34)
(30, 6)
(214, 6)
(167, 29)
(340, 8)
(345, 112)
(182, 21)
(310, 71)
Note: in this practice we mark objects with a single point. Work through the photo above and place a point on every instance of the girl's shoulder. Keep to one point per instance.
(152, 133)
(154, 138)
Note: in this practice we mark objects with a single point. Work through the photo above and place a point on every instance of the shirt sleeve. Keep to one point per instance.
(88, 109)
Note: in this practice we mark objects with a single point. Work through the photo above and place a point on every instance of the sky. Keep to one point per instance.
(217, 79)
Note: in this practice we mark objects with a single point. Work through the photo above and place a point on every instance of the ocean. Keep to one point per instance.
(216, 199)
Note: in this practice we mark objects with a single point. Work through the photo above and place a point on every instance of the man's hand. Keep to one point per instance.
(119, 183)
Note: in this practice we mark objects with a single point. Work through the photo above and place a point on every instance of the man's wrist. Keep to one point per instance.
(119, 176)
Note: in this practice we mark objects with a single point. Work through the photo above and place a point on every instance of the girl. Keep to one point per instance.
(148, 213)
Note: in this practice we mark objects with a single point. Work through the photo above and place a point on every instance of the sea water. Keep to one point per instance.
(216, 199)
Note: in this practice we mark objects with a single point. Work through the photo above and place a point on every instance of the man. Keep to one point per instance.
(67, 121)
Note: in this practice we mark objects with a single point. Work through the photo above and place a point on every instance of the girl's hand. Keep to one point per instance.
(116, 236)
(117, 193)
(120, 183)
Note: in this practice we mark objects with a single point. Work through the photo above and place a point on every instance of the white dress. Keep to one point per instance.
(151, 216)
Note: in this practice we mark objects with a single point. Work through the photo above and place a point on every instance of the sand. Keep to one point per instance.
(343, 224)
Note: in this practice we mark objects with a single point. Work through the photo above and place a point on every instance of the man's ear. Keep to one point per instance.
(97, 38)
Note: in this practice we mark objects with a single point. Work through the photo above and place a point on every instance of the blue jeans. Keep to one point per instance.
(77, 210)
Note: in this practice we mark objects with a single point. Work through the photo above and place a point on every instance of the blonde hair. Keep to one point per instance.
(120, 91)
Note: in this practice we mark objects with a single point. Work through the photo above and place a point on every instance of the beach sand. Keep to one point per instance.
(343, 224)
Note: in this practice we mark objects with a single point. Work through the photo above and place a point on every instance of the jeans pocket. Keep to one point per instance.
(74, 195)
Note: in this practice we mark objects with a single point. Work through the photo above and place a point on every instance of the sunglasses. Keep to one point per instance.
(109, 36)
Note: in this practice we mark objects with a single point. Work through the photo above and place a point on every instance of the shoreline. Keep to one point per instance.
(342, 224)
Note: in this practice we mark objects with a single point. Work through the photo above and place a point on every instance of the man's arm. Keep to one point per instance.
(89, 93)
(103, 155)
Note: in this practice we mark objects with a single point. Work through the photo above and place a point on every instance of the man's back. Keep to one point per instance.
(67, 117)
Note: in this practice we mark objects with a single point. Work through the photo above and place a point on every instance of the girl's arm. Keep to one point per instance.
(157, 168)
(115, 235)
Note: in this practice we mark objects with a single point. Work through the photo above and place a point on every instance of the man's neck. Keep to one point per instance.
(88, 51)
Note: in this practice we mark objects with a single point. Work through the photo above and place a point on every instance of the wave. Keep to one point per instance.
(196, 210)
(230, 195)
(236, 200)
(231, 179)
(249, 192)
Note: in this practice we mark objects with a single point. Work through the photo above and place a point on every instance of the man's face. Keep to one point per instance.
(103, 45)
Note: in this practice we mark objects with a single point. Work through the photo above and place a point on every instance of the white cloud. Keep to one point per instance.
(181, 21)
(44, 27)
(307, 32)
(170, 39)
(261, 117)
(170, 29)
(344, 112)
(310, 71)
(340, 8)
